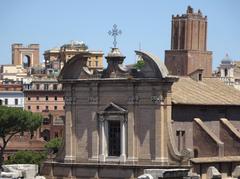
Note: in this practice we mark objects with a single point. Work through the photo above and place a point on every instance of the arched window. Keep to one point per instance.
(46, 134)
(26, 61)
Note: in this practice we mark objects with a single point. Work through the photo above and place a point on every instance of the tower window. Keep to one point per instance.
(225, 72)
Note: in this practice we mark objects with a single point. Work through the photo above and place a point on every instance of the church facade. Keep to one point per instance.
(118, 121)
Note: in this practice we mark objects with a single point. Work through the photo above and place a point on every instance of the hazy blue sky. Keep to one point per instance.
(52, 23)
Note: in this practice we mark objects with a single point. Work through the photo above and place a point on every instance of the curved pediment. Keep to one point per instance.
(76, 68)
(153, 67)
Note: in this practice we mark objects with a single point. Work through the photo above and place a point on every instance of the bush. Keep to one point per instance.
(27, 157)
(53, 145)
(139, 65)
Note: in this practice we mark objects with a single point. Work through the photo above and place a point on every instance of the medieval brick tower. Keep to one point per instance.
(27, 56)
(189, 45)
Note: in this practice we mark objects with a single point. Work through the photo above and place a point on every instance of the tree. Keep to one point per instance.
(14, 121)
(53, 145)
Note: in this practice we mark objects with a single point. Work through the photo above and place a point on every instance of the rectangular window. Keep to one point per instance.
(55, 107)
(96, 63)
(55, 86)
(45, 86)
(6, 101)
(37, 86)
(29, 98)
(46, 98)
(37, 107)
(16, 101)
(46, 107)
(37, 98)
(55, 98)
(114, 139)
(180, 139)
(29, 107)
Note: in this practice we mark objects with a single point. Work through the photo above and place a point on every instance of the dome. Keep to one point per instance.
(227, 59)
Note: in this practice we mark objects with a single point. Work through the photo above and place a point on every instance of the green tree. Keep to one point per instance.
(27, 157)
(53, 145)
(13, 121)
(139, 65)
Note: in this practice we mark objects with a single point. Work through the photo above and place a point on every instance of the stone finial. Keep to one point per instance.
(199, 12)
(189, 10)
(114, 60)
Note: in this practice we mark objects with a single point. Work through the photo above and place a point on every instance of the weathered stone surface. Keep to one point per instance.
(167, 173)
(213, 173)
(28, 171)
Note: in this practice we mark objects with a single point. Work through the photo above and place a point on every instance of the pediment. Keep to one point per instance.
(112, 107)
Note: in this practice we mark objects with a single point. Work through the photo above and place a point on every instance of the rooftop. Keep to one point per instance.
(209, 91)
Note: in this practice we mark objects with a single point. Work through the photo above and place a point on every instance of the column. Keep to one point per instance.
(102, 137)
(95, 137)
(68, 135)
(131, 144)
(123, 141)
(158, 134)
(161, 143)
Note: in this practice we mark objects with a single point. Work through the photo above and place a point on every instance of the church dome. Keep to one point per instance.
(227, 59)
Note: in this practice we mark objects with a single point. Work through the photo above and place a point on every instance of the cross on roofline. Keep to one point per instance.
(115, 32)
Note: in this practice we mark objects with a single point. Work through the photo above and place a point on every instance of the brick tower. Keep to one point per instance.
(27, 56)
(189, 45)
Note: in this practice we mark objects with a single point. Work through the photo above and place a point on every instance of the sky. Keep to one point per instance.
(144, 23)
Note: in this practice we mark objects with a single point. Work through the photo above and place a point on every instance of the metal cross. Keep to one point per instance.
(114, 32)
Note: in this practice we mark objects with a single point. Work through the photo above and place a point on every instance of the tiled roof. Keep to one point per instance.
(209, 91)
(216, 159)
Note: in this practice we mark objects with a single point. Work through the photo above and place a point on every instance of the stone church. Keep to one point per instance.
(125, 120)
(118, 121)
